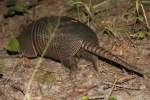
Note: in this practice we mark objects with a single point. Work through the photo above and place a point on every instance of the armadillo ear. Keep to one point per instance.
(29, 51)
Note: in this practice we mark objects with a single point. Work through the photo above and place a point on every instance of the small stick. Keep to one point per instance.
(145, 16)
(113, 86)
(120, 86)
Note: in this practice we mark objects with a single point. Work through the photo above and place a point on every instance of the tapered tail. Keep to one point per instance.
(100, 51)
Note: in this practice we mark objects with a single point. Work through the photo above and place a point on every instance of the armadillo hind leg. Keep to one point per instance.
(89, 57)
(72, 65)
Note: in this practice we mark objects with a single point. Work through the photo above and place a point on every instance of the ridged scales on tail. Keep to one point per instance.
(71, 40)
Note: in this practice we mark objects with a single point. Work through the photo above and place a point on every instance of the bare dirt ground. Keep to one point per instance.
(52, 81)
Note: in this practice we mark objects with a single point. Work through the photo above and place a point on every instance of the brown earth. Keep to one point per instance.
(52, 81)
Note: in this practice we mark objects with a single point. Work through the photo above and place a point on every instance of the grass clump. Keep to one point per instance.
(12, 7)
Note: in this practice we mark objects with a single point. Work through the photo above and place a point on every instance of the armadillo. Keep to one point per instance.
(71, 40)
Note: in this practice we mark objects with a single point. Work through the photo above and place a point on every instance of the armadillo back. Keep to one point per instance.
(65, 43)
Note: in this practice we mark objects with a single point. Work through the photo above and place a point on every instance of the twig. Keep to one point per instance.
(121, 86)
(144, 14)
(28, 89)
(97, 98)
(113, 86)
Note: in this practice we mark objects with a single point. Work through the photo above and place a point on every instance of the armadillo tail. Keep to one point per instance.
(103, 53)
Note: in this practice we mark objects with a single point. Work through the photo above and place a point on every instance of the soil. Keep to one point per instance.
(116, 33)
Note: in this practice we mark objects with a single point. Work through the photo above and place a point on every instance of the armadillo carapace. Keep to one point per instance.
(69, 40)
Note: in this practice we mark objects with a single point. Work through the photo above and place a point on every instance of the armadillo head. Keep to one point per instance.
(26, 45)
